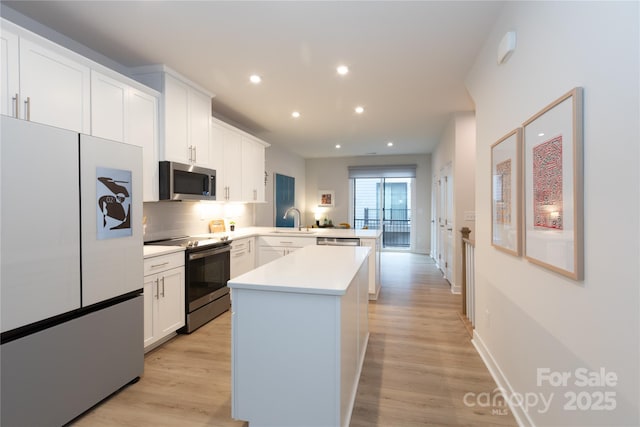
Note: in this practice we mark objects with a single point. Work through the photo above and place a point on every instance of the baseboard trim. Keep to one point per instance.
(519, 413)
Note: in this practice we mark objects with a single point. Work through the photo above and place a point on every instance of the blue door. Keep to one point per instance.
(285, 197)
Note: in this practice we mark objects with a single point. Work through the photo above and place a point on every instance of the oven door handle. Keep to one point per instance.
(202, 254)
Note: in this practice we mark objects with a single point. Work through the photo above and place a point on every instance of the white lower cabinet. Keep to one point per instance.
(243, 257)
(272, 247)
(164, 300)
(297, 356)
(374, 266)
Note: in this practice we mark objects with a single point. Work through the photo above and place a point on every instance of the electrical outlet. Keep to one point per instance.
(469, 215)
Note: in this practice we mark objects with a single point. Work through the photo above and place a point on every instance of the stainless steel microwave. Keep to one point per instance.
(186, 182)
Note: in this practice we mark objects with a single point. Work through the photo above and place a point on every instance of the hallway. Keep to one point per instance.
(419, 365)
(420, 362)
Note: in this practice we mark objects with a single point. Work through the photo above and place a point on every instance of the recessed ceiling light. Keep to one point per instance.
(359, 109)
(255, 79)
(389, 144)
(295, 114)
(342, 70)
(541, 134)
(338, 145)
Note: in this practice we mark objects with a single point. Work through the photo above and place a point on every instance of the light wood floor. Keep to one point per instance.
(419, 365)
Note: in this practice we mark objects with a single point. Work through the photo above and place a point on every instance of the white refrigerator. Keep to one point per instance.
(71, 271)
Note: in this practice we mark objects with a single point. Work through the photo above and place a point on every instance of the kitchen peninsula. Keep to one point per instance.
(266, 242)
(299, 336)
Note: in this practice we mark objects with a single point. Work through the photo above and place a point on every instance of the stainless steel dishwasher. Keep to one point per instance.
(337, 241)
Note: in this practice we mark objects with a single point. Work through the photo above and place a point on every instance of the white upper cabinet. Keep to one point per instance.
(54, 89)
(47, 83)
(142, 130)
(252, 170)
(9, 73)
(109, 107)
(239, 162)
(185, 110)
(176, 108)
(216, 161)
(199, 115)
(123, 113)
(41, 82)
(232, 169)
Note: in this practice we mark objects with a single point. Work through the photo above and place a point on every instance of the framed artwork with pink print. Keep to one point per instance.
(553, 186)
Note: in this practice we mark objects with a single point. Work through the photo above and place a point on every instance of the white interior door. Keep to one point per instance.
(445, 223)
(449, 228)
(442, 203)
(434, 219)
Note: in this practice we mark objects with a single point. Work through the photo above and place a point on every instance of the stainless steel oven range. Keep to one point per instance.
(207, 269)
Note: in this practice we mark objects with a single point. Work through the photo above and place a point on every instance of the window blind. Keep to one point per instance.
(383, 171)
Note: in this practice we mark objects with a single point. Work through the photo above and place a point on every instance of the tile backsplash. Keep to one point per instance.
(171, 219)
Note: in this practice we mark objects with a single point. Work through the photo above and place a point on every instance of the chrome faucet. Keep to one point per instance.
(294, 209)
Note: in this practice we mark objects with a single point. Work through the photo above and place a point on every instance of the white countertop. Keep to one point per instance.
(324, 270)
(154, 250)
(313, 232)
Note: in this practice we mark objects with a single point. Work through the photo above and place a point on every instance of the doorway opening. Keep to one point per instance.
(384, 203)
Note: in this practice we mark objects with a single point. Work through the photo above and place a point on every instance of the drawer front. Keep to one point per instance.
(286, 241)
(241, 245)
(163, 262)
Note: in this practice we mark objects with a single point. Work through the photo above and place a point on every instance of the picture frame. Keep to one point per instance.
(326, 198)
(506, 194)
(553, 186)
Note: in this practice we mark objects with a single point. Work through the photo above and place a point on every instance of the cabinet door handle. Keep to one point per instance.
(16, 105)
(159, 265)
(27, 104)
(255, 195)
(157, 289)
(195, 154)
(162, 286)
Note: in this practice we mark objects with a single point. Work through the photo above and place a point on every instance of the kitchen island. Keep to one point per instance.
(299, 336)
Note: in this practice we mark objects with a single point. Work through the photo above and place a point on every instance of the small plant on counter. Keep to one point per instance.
(232, 225)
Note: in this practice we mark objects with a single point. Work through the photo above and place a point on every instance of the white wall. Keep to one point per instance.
(538, 319)
(333, 174)
(457, 147)
(284, 162)
(169, 219)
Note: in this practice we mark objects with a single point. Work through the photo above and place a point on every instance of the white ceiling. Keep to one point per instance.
(408, 61)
